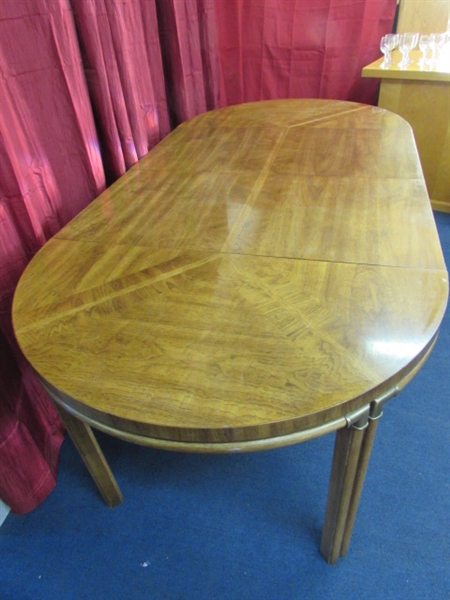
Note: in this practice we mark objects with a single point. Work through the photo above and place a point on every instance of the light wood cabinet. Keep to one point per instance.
(423, 99)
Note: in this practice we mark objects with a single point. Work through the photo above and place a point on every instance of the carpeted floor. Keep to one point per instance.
(201, 527)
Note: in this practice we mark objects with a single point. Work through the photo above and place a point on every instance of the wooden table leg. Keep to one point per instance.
(351, 457)
(93, 457)
(343, 472)
(363, 462)
(376, 412)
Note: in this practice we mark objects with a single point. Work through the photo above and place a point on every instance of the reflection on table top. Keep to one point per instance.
(266, 268)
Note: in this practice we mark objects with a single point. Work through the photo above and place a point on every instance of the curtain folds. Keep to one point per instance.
(83, 97)
(123, 66)
(50, 170)
(88, 87)
(189, 45)
(300, 48)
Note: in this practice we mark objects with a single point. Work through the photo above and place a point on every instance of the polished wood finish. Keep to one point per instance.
(263, 272)
(422, 97)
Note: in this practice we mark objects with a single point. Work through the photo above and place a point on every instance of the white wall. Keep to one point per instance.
(4, 510)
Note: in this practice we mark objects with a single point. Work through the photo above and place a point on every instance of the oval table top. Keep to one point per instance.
(265, 269)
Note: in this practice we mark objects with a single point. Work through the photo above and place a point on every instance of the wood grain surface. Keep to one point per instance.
(267, 268)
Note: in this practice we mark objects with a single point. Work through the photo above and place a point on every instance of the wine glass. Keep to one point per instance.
(407, 42)
(388, 43)
(424, 47)
(433, 46)
(441, 40)
(384, 47)
(392, 41)
(444, 52)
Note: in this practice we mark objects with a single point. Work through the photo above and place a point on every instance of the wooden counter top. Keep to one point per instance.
(413, 72)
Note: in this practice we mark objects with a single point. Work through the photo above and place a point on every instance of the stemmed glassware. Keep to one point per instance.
(440, 41)
(425, 43)
(384, 47)
(433, 46)
(407, 42)
(388, 43)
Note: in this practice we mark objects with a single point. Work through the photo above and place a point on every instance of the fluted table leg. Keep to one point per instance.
(344, 473)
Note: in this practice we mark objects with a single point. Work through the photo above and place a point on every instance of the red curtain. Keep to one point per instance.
(83, 93)
(300, 48)
(88, 87)
(124, 73)
(50, 170)
(191, 56)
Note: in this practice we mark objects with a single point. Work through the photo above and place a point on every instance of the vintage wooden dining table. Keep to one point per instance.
(270, 272)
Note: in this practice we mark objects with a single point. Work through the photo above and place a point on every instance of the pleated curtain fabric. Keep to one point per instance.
(50, 169)
(124, 73)
(300, 48)
(83, 97)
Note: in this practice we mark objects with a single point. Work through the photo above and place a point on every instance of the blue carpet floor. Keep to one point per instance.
(201, 527)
